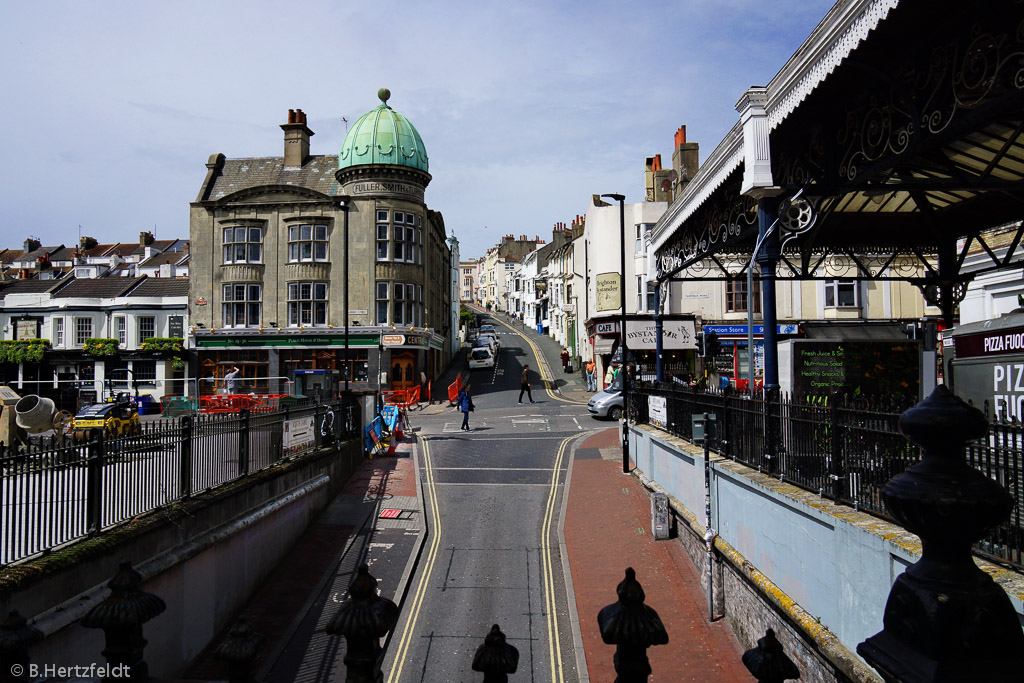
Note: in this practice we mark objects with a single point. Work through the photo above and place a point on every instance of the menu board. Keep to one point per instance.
(869, 368)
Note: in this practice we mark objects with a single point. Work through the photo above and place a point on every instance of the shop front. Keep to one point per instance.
(732, 359)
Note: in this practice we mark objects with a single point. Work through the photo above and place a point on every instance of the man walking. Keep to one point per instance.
(466, 406)
(565, 360)
(524, 385)
(591, 379)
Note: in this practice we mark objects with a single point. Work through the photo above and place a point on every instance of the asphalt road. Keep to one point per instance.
(493, 498)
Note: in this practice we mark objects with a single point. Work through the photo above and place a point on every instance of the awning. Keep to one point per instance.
(853, 331)
(604, 345)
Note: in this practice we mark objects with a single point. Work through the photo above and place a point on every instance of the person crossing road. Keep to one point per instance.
(524, 385)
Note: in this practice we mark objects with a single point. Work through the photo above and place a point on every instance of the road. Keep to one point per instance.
(493, 497)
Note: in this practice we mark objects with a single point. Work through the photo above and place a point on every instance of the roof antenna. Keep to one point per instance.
(346, 124)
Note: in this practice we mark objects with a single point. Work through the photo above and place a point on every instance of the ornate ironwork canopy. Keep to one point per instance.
(896, 141)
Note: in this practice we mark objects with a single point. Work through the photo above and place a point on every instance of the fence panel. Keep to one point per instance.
(845, 449)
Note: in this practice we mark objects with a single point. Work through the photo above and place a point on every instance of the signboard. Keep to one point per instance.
(26, 329)
(358, 311)
(211, 340)
(675, 335)
(989, 343)
(868, 368)
(607, 285)
(657, 411)
(607, 328)
(384, 188)
(734, 330)
(392, 339)
(298, 435)
(176, 326)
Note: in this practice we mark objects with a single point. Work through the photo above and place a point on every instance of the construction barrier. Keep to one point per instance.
(454, 388)
(401, 397)
(378, 438)
(233, 403)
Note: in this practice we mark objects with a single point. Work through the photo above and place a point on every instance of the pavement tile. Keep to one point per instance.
(607, 529)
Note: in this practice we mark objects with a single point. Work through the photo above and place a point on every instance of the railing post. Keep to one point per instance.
(768, 663)
(771, 432)
(946, 619)
(239, 650)
(16, 637)
(94, 484)
(185, 449)
(364, 620)
(632, 627)
(319, 414)
(837, 461)
(121, 617)
(496, 659)
(243, 442)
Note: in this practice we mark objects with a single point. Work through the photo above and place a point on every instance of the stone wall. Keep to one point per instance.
(204, 558)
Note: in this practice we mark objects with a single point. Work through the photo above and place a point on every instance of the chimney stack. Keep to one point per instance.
(296, 139)
(30, 245)
(87, 242)
(145, 239)
(684, 160)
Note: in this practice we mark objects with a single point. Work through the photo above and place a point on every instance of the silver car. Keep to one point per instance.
(607, 403)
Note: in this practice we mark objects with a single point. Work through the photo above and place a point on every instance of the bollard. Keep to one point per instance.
(768, 663)
(364, 620)
(121, 617)
(496, 659)
(632, 627)
(946, 619)
(16, 637)
(239, 650)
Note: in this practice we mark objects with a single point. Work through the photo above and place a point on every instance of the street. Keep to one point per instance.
(493, 497)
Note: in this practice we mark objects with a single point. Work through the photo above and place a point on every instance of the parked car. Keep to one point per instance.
(490, 336)
(488, 342)
(481, 357)
(484, 329)
(607, 403)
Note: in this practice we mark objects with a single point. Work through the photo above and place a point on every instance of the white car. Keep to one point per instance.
(481, 357)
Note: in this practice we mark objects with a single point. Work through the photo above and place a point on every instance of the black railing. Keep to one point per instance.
(841, 448)
(55, 490)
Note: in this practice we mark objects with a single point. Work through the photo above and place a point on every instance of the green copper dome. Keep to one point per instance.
(383, 136)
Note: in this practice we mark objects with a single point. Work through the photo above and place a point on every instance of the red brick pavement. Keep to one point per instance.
(607, 528)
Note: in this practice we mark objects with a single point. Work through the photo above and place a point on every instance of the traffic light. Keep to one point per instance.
(700, 344)
(710, 344)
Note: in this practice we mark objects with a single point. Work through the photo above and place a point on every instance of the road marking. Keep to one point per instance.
(547, 571)
(498, 469)
(417, 602)
(577, 423)
(483, 483)
(541, 367)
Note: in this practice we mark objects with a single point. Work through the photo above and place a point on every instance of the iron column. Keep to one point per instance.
(622, 329)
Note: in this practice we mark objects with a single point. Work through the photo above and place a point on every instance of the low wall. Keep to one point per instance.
(204, 558)
(818, 573)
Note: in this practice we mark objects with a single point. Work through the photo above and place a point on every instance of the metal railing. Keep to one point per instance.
(841, 448)
(55, 490)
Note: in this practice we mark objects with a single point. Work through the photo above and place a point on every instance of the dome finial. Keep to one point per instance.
(384, 94)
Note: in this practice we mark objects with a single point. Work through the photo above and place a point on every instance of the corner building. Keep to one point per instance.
(268, 285)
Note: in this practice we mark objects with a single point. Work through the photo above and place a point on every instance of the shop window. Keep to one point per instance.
(243, 245)
(736, 299)
(307, 243)
(242, 305)
(307, 303)
(144, 371)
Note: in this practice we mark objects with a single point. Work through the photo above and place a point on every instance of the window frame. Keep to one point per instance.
(736, 289)
(250, 305)
(241, 251)
(307, 303)
(834, 289)
(149, 320)
(297, 241)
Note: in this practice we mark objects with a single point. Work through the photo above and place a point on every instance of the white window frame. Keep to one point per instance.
(834, 289)
(83, 330)
(242, 244)
(58, 331)
(305, 240)
(249, 304)
(307, 304)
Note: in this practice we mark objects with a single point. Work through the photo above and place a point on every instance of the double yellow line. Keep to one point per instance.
(540, 366)
(428, 568)
(547, 567)
(546, 562)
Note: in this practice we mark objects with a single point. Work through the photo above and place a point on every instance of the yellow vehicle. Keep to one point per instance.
(117, 418)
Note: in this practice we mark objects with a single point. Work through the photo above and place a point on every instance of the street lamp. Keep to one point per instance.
(622, 329)
(343, 204)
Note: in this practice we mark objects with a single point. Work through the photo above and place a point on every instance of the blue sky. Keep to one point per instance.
(111, 109)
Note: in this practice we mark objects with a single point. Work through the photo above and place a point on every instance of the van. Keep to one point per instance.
(481, 357)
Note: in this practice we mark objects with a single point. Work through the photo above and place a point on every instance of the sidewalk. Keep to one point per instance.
(607, 528)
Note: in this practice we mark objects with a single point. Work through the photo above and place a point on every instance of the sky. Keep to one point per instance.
(111, 109)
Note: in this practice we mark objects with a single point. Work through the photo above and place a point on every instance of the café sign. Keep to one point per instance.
(675, 335)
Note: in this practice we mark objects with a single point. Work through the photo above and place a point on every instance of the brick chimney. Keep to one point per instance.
(30, 245)
(684, 160)
(296, 139)
(85, 243)
(145, 238)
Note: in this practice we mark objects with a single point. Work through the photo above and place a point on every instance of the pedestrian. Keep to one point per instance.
(565, 360)
(466, 406)
(230, 383)
(609, 375)
(524, 385)
(591, 379)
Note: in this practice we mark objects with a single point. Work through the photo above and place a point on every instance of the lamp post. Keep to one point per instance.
(622, 329)
(343, 204)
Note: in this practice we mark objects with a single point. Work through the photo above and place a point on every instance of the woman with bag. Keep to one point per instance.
(465, 403)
